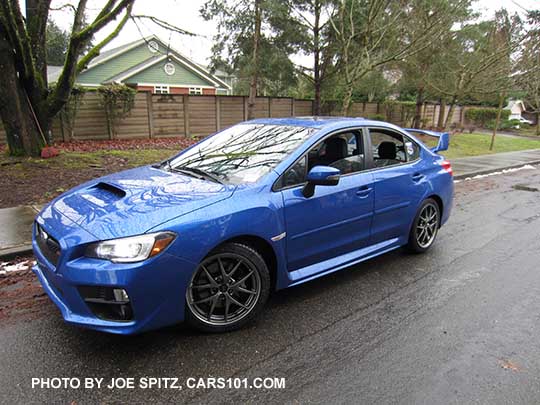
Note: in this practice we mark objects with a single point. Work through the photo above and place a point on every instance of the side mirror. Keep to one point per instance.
(320, 176)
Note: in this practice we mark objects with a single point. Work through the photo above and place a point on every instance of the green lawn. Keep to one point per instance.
(474, 144)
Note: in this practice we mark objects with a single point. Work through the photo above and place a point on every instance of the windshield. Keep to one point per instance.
(243, 153)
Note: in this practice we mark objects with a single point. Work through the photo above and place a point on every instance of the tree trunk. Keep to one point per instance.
(22, 132)
(347, 101)
(497, 120)
(316, 61)
(442, 109)
(450, 112)
(417, 121)
(317, 99)
(255, 61)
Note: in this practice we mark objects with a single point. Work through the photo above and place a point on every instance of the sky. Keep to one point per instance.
(185, 14)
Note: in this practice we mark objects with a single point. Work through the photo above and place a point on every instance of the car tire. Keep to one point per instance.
(209, 309)
(425, 227)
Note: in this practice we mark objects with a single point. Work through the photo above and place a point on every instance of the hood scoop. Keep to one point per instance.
(103, 194)
(117, 191)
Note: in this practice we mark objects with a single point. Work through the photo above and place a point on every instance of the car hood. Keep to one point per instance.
(134, 201)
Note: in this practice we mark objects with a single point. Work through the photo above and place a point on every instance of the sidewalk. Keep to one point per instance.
(475, 165)
(16, 223)
(16, 230)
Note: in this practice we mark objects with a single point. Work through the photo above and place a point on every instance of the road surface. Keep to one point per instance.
(458, 324)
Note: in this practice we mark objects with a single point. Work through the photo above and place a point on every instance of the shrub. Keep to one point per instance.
(483, 116)
(68, 113)
(503, 124)
(117, 100)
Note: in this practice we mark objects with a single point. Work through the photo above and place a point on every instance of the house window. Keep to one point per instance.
(161, 89)
(195, 90)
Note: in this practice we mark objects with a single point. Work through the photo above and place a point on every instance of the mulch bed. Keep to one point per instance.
(177, 143)
(156, 143)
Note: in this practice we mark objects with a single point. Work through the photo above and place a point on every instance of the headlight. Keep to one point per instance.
(132, 249)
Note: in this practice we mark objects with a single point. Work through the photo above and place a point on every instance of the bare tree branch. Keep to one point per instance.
(165, 24)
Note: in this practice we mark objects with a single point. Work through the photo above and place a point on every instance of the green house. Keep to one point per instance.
(151, 65)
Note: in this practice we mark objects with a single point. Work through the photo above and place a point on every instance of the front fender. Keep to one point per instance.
(253, 213)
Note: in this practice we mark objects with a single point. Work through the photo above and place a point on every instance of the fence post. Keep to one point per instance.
(185, 104)
(293, 107)
(245, 107)
(150, 111)
(218, 112)
(269, 107)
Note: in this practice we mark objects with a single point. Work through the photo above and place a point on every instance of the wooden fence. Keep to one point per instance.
(168, 115)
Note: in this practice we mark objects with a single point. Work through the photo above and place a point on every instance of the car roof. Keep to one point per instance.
(321, 122)
(312, 122)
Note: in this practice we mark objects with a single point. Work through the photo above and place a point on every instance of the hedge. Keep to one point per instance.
(482, 116)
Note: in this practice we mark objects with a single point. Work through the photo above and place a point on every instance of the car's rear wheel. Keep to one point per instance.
(425, 226)
(228, 289)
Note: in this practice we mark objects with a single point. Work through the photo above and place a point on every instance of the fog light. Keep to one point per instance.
(120, 295)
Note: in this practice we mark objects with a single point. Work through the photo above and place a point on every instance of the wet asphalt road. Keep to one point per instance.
(458, 324)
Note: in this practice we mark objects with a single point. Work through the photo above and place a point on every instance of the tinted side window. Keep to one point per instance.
(388, 147)
(343, 151)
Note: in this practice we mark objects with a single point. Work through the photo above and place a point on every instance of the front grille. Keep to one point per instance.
(49, 247)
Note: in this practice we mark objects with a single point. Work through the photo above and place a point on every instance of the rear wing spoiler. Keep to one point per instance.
(444, 138)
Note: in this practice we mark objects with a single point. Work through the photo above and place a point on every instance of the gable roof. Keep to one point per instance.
(124, 72)
(106, 55)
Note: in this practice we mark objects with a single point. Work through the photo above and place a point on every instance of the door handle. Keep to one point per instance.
(363, 191)
(417, 177)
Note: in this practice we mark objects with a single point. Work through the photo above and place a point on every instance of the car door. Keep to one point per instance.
(336, 219)
(399, 183)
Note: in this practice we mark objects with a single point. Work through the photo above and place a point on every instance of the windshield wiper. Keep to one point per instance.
(201, 173)
(160, 165)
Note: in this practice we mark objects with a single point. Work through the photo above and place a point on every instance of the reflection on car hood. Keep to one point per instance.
(134, 201)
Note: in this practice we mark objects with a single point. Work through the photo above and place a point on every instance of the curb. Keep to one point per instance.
(11, 253)
(493, 170)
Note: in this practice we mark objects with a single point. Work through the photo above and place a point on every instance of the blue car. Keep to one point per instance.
(205, 236)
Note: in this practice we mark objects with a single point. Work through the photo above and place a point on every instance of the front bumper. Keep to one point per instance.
(156, 289)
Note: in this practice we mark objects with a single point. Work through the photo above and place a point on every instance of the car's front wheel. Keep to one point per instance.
(228, 289)
(425, 226)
